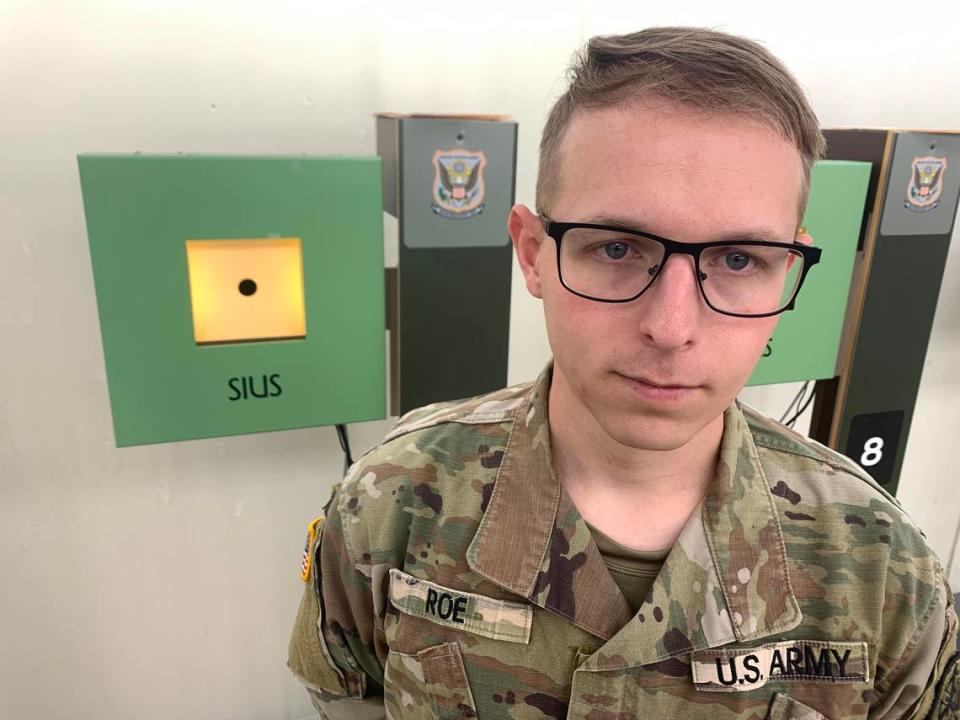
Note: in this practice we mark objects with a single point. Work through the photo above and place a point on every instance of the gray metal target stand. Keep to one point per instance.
(449, 180)
(866, 410)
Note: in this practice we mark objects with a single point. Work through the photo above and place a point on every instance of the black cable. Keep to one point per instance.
(800, 412)
(797, 399)
(345, 446)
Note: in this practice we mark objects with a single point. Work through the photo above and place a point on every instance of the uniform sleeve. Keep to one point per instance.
(332, 646)
(926, 686)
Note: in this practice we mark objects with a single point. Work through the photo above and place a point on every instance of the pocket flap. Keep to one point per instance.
(445, 679)
(478, 614)
(786, 708)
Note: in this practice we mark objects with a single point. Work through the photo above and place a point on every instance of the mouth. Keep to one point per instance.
(659, 384)
(658, 389)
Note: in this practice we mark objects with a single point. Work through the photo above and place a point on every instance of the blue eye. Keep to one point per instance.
(615, 251)
(737, 260)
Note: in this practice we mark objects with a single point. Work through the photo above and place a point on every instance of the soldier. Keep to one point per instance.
(622, 538)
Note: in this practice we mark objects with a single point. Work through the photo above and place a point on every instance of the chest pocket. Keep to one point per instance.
(428, 685)
(432, 682)
(445, 680)
(786, 708)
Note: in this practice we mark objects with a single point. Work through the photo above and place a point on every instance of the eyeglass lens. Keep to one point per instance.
(741, 279)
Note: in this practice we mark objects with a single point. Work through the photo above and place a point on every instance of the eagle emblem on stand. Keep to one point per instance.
(458, 185)
(926, 183)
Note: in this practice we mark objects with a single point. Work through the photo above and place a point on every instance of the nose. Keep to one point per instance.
(671, 309)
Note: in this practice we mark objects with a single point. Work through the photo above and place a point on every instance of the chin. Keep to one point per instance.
(644, 432)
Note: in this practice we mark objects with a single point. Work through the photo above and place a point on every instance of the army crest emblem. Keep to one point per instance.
(926, 183)
(458, 186)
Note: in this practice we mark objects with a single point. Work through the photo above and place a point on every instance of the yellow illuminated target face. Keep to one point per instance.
(242, 290)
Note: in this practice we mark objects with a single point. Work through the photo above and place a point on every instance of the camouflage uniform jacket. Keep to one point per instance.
(454, 578)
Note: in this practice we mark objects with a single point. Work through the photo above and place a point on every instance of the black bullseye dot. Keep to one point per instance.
(247, 287)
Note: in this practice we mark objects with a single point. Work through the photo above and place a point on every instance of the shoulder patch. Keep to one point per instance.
(308, 656)
(306, 563)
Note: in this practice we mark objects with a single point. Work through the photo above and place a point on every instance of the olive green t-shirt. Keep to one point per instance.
(633, 570)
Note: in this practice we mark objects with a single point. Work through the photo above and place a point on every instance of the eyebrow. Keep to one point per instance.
(730, 236)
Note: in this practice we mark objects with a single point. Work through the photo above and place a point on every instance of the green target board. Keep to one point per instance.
(807, 339)
(237, 294)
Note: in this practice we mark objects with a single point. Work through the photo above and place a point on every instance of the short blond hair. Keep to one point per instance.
(696, 67)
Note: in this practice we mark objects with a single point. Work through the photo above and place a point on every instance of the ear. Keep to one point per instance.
(803, 237)
(527, 236)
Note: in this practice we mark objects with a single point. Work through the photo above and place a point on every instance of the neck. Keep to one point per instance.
(640, 497)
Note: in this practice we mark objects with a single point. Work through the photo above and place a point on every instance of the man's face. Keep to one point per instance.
(681, 174)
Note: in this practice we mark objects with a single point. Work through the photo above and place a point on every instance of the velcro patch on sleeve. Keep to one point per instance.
(736, 669)
(477, 614)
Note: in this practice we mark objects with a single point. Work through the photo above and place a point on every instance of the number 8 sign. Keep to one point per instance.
(873, 443)
(872, 452)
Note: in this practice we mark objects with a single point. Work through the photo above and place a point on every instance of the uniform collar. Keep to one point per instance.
(725, 579)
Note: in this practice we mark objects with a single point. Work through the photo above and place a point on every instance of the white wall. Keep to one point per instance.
(161, 581)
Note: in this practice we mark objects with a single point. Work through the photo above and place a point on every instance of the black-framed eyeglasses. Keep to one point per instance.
(745, 278)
